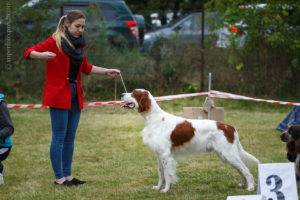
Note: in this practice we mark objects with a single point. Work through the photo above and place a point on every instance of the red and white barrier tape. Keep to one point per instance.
(163, 98)
(226, 95)
(26, 106)
(213, 93)
(179, 96)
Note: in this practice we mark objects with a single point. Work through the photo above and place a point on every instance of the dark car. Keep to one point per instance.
(186, 29)
(142, 28)
(119, 22)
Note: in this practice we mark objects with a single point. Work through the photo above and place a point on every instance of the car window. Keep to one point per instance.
(197, 23)
(173, 22)
(187, 25)
(109, 13)
(191, 24)
(68, 8)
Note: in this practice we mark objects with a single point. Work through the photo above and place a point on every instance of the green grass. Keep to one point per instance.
(109, 154)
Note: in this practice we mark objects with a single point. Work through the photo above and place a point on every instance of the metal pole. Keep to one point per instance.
(209, 88)
(202, 48)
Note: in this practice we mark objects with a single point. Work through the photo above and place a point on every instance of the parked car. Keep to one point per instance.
(186, 29)
(141, 25)
(119, 21)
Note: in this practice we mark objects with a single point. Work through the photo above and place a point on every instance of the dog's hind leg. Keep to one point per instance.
(244, 181)
(169, 166)
(235, 161)
(161, 177)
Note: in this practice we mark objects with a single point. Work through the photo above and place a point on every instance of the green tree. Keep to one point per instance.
(270, 56)
(23, 25)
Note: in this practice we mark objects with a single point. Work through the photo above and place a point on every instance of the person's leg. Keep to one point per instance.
(73, 120)
(296, 121)
(68, 149)
(59, 122)
(289, 118)
(4, 152)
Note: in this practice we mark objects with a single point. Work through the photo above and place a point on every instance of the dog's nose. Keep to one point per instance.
(122, 95)
(284, 137)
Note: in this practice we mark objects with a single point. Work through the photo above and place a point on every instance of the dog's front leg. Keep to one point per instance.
(161, 177)
(169, 166)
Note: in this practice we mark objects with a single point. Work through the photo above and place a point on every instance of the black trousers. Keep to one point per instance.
(4, 155)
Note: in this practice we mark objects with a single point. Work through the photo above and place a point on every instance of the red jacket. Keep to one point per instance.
(57, 90)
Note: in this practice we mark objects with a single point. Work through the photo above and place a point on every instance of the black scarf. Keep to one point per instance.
(76, 54)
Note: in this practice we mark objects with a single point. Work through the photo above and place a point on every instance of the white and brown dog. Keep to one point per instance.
(171, 137)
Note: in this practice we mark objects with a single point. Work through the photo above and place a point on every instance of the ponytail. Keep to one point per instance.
(61, 28)
(60, 33)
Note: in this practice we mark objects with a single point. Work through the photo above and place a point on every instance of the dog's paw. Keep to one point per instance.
(250, 188)
(165, 190)
(242, 184)
(156, 187)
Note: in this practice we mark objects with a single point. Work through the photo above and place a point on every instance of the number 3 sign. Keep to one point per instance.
(277, 181)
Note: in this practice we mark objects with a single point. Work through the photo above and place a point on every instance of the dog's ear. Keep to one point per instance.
(295, 132)
(290, 147)
(144, 103)
(297, 146)
(291, 154)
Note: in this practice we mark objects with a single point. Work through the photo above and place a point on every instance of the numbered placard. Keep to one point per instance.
(245, 197)
(277, 181)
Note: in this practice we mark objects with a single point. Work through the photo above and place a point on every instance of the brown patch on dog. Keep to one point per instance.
(163, 119)
(182, 133)
(228, 131)
(143, 100)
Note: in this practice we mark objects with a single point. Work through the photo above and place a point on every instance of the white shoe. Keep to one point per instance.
(1, 179)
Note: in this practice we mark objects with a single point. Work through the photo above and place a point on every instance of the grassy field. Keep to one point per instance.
(109, 154)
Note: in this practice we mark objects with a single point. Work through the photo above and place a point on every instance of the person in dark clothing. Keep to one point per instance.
(293, 118)
(6, 130)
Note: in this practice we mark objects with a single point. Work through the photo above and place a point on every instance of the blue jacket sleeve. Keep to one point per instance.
(6, 126)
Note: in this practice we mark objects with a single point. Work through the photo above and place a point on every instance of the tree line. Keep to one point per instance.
(267, 64)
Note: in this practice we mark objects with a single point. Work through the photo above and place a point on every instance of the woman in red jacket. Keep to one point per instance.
(64, 53)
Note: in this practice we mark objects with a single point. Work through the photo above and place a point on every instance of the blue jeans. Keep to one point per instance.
(64, 124)
(293, 118)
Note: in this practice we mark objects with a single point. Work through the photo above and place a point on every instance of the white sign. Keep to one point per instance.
(245, 197)
(277, 181)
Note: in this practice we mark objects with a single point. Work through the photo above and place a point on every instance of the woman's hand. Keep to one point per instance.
(114, 73)
(47, 55)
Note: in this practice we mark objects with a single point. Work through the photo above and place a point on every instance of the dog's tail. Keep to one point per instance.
(246, 157)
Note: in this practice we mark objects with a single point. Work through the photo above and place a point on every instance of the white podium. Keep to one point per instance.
(277, 181)
(245, 197)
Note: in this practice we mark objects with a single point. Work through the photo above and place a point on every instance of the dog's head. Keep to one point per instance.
(291, 137)
(140, 99)
(291, 134)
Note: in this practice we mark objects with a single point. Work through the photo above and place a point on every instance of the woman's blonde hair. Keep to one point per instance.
(61, 27)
